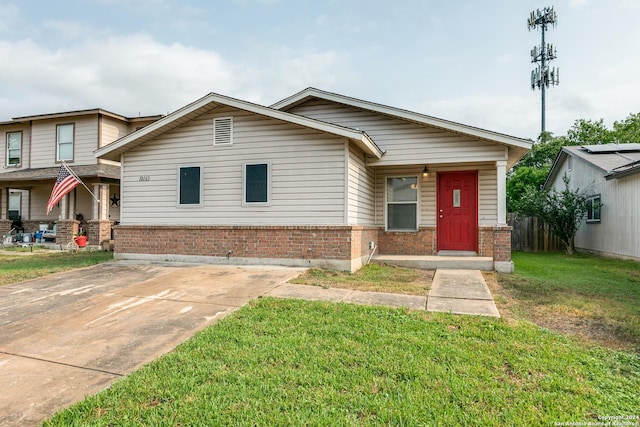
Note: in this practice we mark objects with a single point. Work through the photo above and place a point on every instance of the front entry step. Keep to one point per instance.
(435, 262)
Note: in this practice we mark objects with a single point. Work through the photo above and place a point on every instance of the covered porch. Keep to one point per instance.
(24, 195)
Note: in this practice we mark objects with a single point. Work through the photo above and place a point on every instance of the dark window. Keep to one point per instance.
(190, 185)
(593, 209)
(257, 183)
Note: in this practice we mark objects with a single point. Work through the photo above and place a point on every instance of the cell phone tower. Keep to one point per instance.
(543, 76)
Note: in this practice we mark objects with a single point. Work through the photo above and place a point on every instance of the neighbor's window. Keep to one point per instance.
(402, 203)
(189, 186)
(593, 209)
(14, 148)
(256, 183)
(64, 142)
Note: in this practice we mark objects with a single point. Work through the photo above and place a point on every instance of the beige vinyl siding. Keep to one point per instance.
(26, 143)
(405, 142)
(85, 141)
(112, 129)
(307, 175)
(361, 201)
(617, 233)
(487, 192)
(39, 196)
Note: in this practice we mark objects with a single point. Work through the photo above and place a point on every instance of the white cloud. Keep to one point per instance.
(9, 13)
(137, 74)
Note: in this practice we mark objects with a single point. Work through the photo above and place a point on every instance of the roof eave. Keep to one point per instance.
(310, 93)
(115, 149)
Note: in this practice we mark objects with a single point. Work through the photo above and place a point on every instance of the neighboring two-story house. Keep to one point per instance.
(34, 148)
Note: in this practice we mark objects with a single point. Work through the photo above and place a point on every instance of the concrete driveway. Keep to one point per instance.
(72, 334)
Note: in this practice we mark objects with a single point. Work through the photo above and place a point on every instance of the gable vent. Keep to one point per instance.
(223, 131)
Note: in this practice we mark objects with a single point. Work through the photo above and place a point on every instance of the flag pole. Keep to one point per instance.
(81, 181)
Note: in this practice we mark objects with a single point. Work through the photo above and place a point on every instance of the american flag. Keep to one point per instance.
(65, 182)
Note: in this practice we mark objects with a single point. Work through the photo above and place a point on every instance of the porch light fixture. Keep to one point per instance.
(425, 172)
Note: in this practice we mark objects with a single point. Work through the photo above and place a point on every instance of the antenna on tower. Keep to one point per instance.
(542, 76)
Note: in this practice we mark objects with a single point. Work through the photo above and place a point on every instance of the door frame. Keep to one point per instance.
(439, 176)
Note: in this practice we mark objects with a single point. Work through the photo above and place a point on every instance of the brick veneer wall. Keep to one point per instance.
(65, 230)
(303, 242)
(421, 242)
(5, 226)
(495, 242)
(348, 244)
(98, 231)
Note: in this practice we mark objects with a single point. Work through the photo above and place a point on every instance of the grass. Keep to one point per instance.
(16, 268)
(287, 362)
(371, 278)
(593, 297)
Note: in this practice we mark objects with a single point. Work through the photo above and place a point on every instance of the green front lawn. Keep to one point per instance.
(593, 297)
(288, 362)
(16, 268)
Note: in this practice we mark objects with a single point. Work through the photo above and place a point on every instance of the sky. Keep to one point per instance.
(466, 61)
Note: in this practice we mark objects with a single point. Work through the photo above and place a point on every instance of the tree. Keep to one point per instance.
(521, 180)
(589, 132)
(627, 130)
(564, 210)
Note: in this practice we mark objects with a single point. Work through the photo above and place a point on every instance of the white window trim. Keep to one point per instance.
(189, 205)
(7, 149)
(592, 199)
(73, 142)
(386, 203)
(225, 144)
(244, 186)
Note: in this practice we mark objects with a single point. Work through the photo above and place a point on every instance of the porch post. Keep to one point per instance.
(501, 177)
(63, 207)
(5, 223)
(100, 206)
(4, 200)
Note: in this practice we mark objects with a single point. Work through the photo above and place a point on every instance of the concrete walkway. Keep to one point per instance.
(461, 292)
(452, 291)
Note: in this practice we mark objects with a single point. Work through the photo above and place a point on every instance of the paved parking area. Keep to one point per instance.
(72, 334)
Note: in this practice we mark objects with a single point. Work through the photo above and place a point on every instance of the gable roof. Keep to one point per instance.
(76, 113)
(310, 93)
(614, 160)
(213, 100)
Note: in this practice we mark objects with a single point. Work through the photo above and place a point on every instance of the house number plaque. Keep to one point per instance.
(144, 178)
(456, 198)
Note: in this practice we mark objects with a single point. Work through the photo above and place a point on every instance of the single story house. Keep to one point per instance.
(610, 174)
(317, 179)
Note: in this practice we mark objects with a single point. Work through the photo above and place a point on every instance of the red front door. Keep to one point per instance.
(458, 211)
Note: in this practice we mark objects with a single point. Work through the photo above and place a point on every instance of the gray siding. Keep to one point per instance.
(618, 232)
(307, 174)
(406, 142)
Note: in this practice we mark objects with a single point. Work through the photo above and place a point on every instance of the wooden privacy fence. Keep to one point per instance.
(531, 235)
